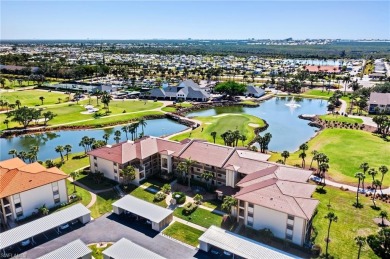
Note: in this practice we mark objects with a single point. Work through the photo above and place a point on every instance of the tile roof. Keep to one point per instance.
(379, 98)
(17, 177)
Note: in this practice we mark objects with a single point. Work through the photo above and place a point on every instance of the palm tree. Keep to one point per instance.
(285, 154)
(181, 169)
(332, 218)
(43, 210)
(13, 152)
(228, 203)
(22, 155)
(106, 98)
(189, 163)
(360, 241)
(323, 168)
(49, 163)
(214, 135)
(360, 176)
(106, 137)
(125, 129)
(143, 124)
(304, 147)
(117, 135)
(243, 138)
(128, 174)
(365, 167)
(68, 149)
(346, 80)
(372, 172)
(375, 183)
(74, 175)
(383, 214)
(60, 149)
(207, 176)
(34, 152)
(41, 98)
(383, 169)
(18, 103)
(98, 94)
(6, 122)
(303, 156)
(314, 153)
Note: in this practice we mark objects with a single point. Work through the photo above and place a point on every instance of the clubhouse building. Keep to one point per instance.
(269, 195)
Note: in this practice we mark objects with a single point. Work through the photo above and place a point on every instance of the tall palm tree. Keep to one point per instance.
(323, 168)
(13, 152)
(98, 94)
(207, 176)
(117, 135)
(106, 99)
(214, 135)
(60, 149)
(41, 98)
(68, 149)
(18, 103)
(189, 163)
(285, 154)
(375, 184)
(243, 138)
(143, 124)
(314, 153)
(346, 80)
(332, 218)
(6, 122)
(34, 152)
(125, 129)
(74, 175)
(365, 167)
(128, 174)
(360, 176)
(360, 241)
(383, 169)
(303, 156)
(383, 214)
(106, 137)
(373, 172)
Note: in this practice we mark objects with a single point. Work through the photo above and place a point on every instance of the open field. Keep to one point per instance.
(200, 217)
(31, 97)
(351, 222)
(346, 150)
(340, 118)
(184, 233)
(221, 124)
(76, 161)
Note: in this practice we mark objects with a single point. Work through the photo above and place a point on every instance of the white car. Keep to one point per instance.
(227, 253)
(65, 226)
(25, 242)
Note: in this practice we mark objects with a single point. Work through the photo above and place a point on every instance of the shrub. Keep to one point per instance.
(316, 250)
(159, 196)
(179, 197)
(166, 188)
(189, 208)
(198, 198)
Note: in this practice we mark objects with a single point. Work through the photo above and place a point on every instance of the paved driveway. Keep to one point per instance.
(111, 228)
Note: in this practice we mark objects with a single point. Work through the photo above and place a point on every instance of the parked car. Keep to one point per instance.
(25, 242)
(227, 253)
(64, 226)
(215, 252)
(148, 222)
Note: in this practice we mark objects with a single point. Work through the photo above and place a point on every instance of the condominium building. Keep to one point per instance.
(26, 187)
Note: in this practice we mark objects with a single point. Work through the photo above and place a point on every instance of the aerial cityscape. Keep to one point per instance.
(194, 129)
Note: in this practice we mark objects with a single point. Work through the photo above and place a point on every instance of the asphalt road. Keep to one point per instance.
(111, 228)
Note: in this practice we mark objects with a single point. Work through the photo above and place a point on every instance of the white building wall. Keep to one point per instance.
(299, 230)
(104, 166)
(35, 198)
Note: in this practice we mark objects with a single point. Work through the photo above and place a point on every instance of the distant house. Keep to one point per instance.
(379, 101)
(186, 90)
(254, 91)
(25, 187)
(325, 69)
(377, 75)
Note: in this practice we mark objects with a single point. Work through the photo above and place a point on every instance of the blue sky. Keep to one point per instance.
(194, 19)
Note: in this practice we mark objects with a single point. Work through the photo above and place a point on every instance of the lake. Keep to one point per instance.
(288, 131)
(49, 140)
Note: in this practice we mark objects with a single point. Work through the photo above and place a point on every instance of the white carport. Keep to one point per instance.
(238, 245)
(74, 250)
(160, 217)
(41, 225)
(124, 248)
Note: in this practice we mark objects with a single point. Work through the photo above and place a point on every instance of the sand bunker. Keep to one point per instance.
(254, 125)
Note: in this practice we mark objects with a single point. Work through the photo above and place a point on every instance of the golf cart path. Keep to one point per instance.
(366, 120)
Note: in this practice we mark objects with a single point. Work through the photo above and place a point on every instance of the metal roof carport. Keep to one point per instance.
(41, 225)
(124, 248)
(238, 245)
(160, 217)
(73, 250)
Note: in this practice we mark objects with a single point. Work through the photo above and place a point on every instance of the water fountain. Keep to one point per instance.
(292, 104)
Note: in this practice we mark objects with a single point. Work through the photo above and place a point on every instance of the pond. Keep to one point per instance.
(281, 113)
(49, 140)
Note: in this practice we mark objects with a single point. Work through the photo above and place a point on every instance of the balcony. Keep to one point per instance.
(6, 202)
(8, 211)
(242, 204)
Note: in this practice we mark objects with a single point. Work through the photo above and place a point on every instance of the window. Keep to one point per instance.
(290, 227)
(290, 217)
(16, 196)
(95, 164)
(115, 171)
(55, 184)
(114, 164)
(250, 205)
(57, 200)
(19, 214)
(219, 183)
(289, 237)
(55, 193)
(250, 214)
(95, 157)
(250, 223)
(18, 205)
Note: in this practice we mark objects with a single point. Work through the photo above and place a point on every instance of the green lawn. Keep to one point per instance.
(178, 105)
(340, 118)
(346, 149)
(97, 252)
(31, 97)
(103, 203)
(10, 83)
(147, 195)
(84, 194)
(318, 93)
(221, 124)
(351, 222)
(76, 161)
(213, 204)
(200, 217)
(184, 233)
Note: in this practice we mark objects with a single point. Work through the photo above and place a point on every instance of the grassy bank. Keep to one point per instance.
(340, 118)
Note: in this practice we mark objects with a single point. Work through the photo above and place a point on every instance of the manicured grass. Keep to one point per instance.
(178, 105)
(213, 204)
(351, 222)
(84, 194)
(221, 124)
(31, 97)
(97, 252)
(248, 102)
(319, 93)
(76, 161)
(200, 217)
(148, 195)
(14, 84)
(346, 150)
(184, 233)
(340, 118)
(88, 181)
(103, 203)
